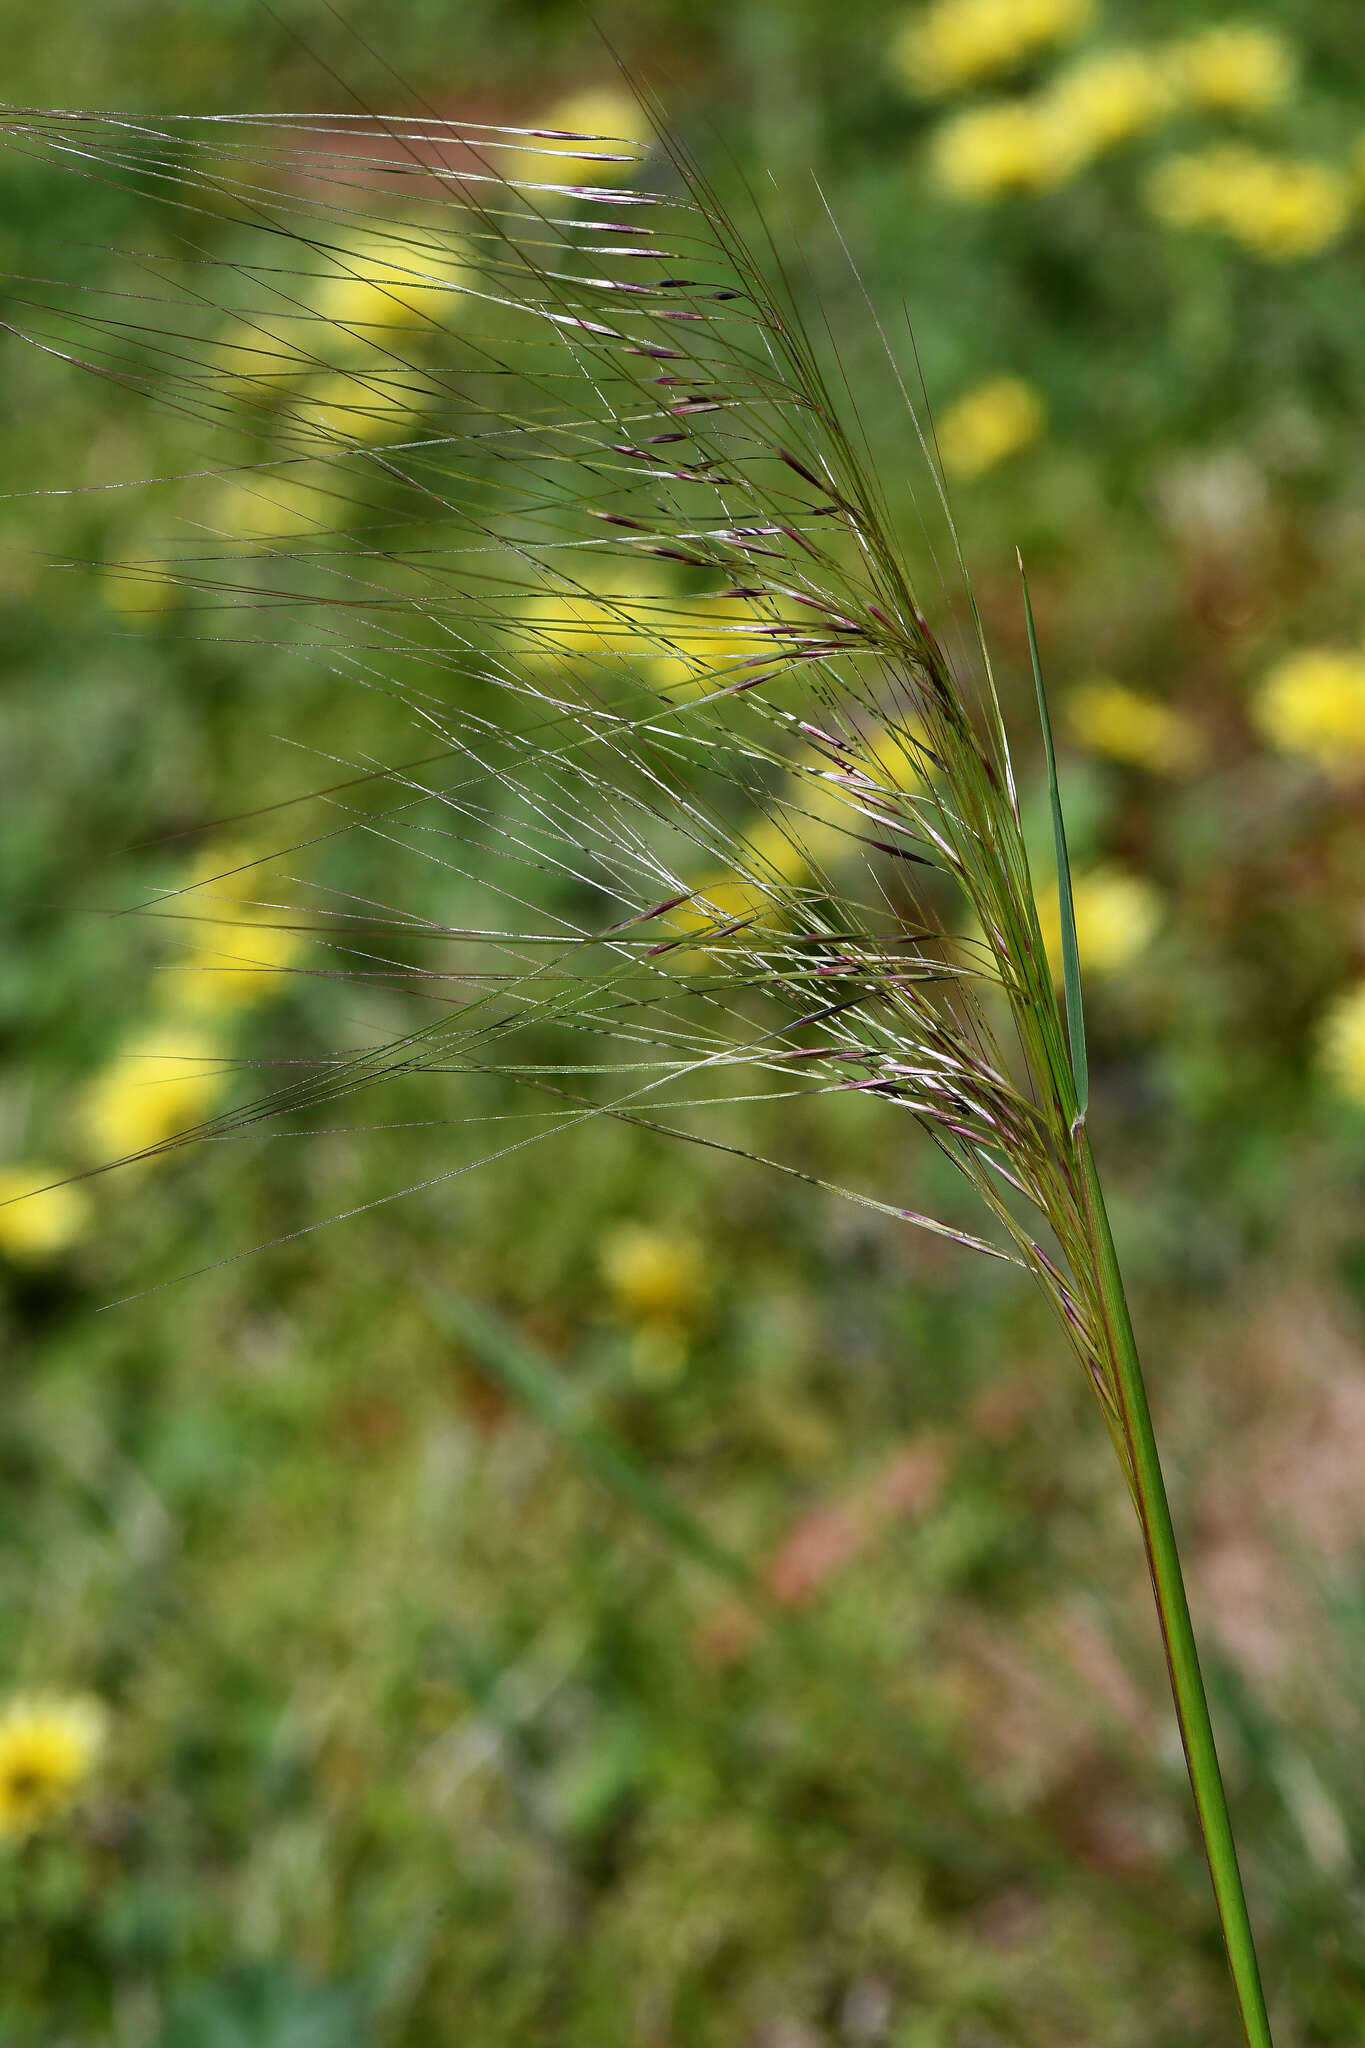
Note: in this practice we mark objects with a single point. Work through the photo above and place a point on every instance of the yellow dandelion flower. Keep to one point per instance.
(274, 505)
(1117, 917)
(48, 1749)
(651, 1273)
(894, 756)
(1313, 703)
(726, 901)
(1236, 67)
(37, 1219)
(572, 153)
(1341, 1044)
(1108, 718)
(1003, 151)
(385, 281)
(785, 847)
(245, 938)
(140, 592)
(604, 613)
(988, 424)
(164, 1080)
(708, 648)
(241, 961)
(261, 354)
(811, 827)
(955, 44)
(678, 642)
(342, 406)
(1278, 208)
(1103, 100)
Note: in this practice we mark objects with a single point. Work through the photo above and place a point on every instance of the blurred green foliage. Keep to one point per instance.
(418, 1732)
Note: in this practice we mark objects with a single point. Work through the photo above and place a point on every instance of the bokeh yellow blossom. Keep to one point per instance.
(606, 609)
(39, 1219)
(803, 835)
(275, 504)
(386, 280)
(260, 353)
(658, 1283)
(48, 1748)
(988, 424)
(637, 618)
(1235, 67)
(162, 1081)
(1341, 1044)
(893, 754)
(1003, 151)
(652, 1273)
(1118, 914)
(955, 44)
(344, 405)
(139, 591)
(1279, 208)
(244, 938)
(755, 902)
(1105, 99)
(599, 111)
(1108, 718)
(1313, 703)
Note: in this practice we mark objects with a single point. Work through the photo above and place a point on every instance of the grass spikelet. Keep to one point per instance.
(710, 815)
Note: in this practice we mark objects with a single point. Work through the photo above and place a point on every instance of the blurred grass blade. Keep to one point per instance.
(971, 1837)
(530, 1378)
(1066, 909)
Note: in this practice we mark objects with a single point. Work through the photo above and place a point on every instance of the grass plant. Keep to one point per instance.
(705, 817)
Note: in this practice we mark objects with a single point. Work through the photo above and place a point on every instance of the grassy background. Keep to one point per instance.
(419, 1732)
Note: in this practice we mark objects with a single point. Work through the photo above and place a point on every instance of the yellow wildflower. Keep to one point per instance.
(241, 961)
(989, 423)
(384, 281)
(262, 353)
(1003, 151)
(1236, 67)
(893, 755)
(679, 642)
(37, 1218)
(709, 647)
(48, 1748)
(786, 846)
(728, 900)
(1341, 1044)
(658, 1283)
(274, 505)
(374, 287)
(604, 112)
(654, 1273)
(1108, 718)
(1277, 207)
(244, 940)
(955, 44)
(139, 591)
(343, 406)
(163, 1081)
(605, 610)
(1117, 915)
(1105, 99)
(1313, 703)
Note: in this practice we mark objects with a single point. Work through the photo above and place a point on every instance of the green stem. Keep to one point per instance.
(1177, 1630)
